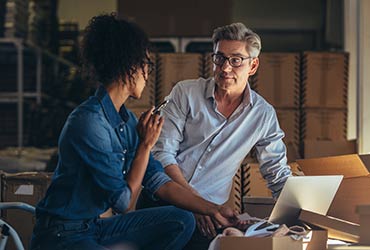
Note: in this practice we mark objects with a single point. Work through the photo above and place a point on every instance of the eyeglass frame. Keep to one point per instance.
(228, 59)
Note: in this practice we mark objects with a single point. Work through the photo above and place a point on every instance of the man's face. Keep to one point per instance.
(227, 76)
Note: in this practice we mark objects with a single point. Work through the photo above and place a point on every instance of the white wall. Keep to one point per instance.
(357, 43)
(82, 10)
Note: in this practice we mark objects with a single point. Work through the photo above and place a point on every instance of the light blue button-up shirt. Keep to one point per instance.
(209, 148)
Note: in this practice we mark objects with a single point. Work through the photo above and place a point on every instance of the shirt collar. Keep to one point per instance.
(115, 119)
(210, 92)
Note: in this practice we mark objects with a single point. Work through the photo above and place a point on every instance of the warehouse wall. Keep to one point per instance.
(82, 10)
(265, 16)
(283, 14)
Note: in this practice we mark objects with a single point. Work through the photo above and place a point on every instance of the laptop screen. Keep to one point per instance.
(312, 193)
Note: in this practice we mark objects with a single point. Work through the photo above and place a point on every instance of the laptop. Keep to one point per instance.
(311, 193)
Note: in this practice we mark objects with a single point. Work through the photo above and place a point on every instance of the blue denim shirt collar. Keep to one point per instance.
(115, 119)
(210, 93)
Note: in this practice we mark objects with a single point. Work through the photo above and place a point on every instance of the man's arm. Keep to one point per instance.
(176, 175)
(176, 194)
(204, 223)
(271, 155)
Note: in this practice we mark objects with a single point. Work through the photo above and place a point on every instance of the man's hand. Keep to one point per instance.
(225, 216)
(206, 226)
(222, 217)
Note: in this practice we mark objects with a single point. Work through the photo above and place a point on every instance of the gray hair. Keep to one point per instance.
(238, 32)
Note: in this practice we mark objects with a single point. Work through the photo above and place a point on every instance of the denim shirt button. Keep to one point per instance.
(124, 151)
(124, 172)
(121, 129)
(123, 158)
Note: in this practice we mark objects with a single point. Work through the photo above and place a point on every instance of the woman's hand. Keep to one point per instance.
(149, 127)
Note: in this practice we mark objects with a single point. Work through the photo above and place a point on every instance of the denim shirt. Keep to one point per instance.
(96, 148)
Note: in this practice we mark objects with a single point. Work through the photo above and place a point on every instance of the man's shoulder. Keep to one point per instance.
(192, 84)
(260, 102)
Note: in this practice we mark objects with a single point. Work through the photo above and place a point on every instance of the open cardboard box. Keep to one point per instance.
(364, 212)
(337, 229)
(354, 189)
(317, 242)
(266, 243)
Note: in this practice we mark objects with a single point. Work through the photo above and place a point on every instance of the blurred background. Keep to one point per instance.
(313, 60)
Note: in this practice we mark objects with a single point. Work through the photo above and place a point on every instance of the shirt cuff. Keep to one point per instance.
(166, 160)
(155, 182)
(123, 201)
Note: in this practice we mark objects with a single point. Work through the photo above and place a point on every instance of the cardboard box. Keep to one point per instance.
(324, 148)
(23, 187)
(267, 243)
(337, 229)
(289, 123)
(354, 187)
(292, 151)
(325, 79)
(318, 240)
(174, 67)
(259, 207)
(278, 78)
(364, 212)
(235, 200)
(324, 124)
(208, 65)
(350, 247)
(256, 185)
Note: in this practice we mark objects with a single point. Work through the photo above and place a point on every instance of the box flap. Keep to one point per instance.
(337, 229)
(366, 160)
(346, 165)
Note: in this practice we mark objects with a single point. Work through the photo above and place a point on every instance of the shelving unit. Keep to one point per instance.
(24, 83)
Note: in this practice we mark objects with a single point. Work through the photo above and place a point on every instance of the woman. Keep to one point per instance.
(104, 159)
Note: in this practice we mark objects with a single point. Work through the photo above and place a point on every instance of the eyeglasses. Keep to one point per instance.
(234, 61)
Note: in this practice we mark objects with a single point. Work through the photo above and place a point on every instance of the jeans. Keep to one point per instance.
(197, 241)
(155, 228)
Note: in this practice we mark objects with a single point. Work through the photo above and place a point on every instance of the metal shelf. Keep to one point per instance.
(19, 94)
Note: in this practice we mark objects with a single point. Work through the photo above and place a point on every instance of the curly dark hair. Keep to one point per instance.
(113, 49)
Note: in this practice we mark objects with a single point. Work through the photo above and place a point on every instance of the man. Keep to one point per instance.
(212, 124)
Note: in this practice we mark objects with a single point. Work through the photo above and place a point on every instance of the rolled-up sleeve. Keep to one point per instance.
(122, 202)
(154, 176)
(272, 155)
(167, 146)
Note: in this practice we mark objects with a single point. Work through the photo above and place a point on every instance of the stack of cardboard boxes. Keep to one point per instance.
(278, 81)
(174, 67)
(324, 104)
